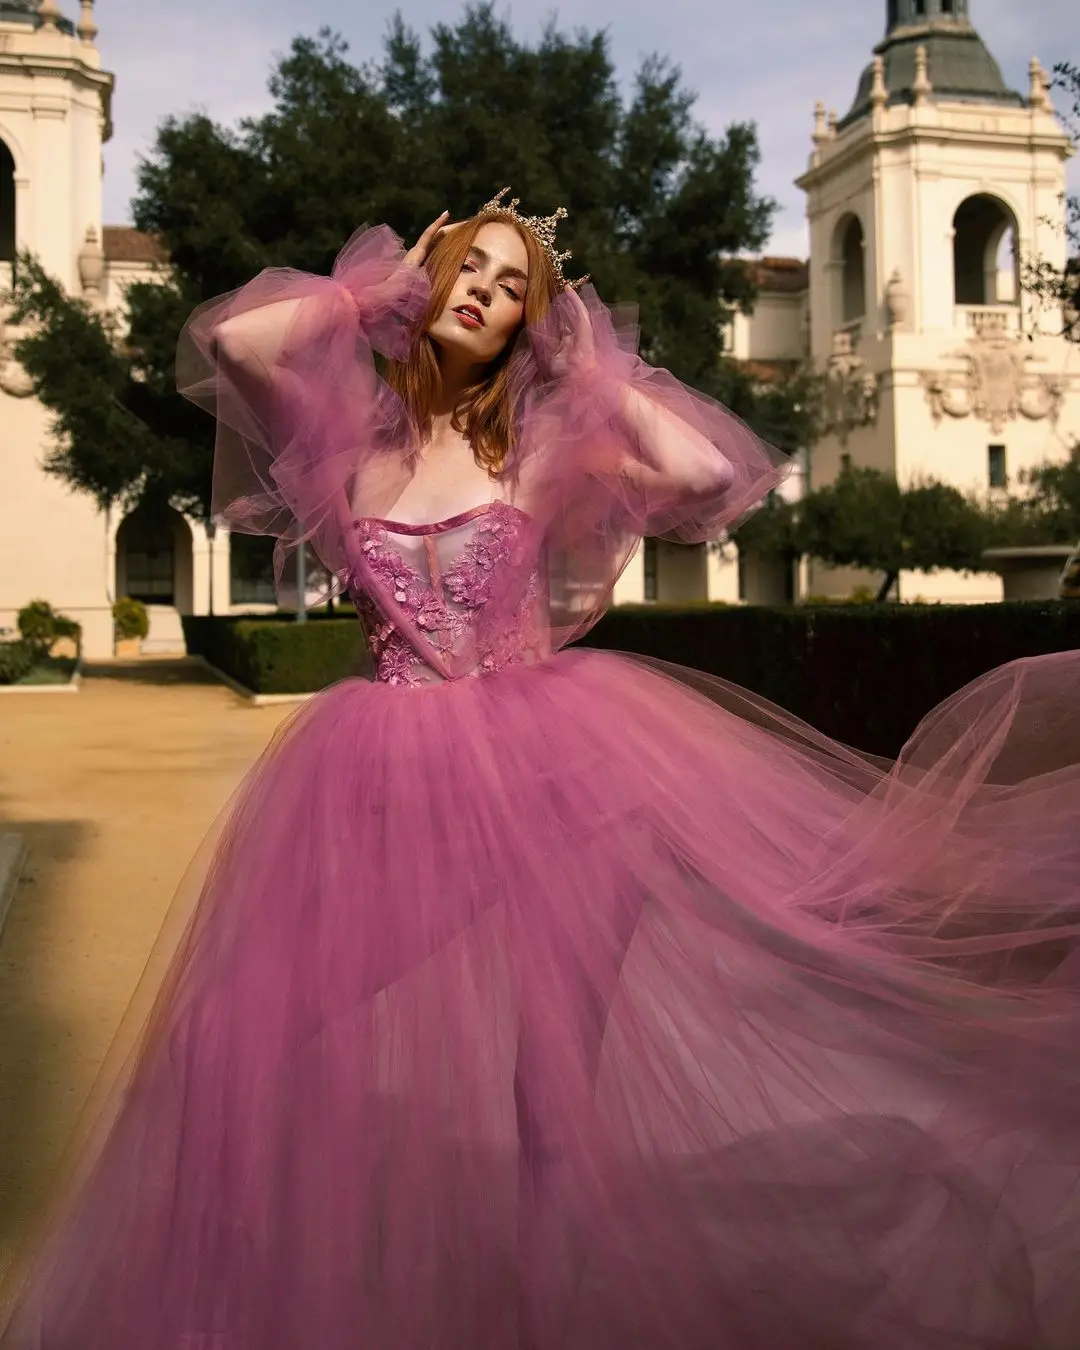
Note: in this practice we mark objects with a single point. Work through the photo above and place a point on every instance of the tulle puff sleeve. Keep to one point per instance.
(306, 429)
(611, 449)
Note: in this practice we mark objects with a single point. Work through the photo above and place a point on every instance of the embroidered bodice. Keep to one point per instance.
(441, 577)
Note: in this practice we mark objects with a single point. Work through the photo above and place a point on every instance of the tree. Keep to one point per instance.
(660, 212)
(119, 431)
(1049, 510)
(1059, 287)
(867, 519)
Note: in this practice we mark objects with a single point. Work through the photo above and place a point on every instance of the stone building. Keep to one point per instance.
(923, 199)
(920, 199)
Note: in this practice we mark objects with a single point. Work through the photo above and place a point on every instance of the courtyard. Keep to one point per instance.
(113, 789)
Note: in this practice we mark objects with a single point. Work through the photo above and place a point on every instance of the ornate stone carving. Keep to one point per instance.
(91, 265)
(897, 300)
(851, 389)
(87, 29)
(50, 13)
(995, 385)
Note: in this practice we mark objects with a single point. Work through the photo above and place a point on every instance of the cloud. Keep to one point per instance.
(764, 63)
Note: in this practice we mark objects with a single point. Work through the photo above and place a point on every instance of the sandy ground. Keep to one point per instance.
(113, 787)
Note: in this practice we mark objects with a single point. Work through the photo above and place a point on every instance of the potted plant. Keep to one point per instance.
(130, 625)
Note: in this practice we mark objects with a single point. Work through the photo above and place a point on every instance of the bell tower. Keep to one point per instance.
(55, 103)
(924, 199)
(55, 115)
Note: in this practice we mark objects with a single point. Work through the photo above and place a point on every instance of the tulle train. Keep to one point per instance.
(602, 1006)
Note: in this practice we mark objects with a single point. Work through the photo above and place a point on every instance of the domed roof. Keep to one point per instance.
(960, 67)
(26, 12)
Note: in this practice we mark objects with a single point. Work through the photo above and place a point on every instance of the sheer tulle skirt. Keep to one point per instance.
(601, 1006)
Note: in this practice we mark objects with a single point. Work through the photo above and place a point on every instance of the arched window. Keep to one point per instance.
(851, 255)
(7, 212)
(985, 254)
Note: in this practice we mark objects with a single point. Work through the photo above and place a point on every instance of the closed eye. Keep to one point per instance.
(468, 266)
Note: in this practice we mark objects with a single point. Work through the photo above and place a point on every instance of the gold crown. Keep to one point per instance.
(542, 229)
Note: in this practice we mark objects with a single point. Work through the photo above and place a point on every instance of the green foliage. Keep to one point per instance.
(865, 674)
(866, 519)
(1049, 510)
(773, 529)
(861, 672)
(277, 655)
(17, 659)
(786, 410)
(661, 213)
(130, 619)
(1058, 288)
(40, 626)
(860, 595)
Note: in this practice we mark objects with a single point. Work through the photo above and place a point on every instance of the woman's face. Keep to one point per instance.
(485, 309)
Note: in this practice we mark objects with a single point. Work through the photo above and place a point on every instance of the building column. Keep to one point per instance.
(722, 574)
(630, 587)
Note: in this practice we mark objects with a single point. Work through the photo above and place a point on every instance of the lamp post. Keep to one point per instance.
(211, 532)
(301, 583)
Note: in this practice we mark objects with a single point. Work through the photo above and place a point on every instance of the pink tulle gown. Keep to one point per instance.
(557, 1000)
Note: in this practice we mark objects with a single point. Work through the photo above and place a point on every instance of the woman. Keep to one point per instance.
(542, 999)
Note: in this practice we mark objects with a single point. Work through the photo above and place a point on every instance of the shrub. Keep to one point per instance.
(40, 626)
(130, 619)
(865, 674)
(37, 626)
(276, 655)
(16, 660)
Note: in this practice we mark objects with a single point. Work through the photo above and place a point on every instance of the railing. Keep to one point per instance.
(988, 320)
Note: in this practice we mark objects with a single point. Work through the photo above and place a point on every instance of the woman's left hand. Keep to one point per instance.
(576, 353)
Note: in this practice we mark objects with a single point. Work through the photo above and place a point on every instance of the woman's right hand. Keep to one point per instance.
(403, 283)
(417, 255)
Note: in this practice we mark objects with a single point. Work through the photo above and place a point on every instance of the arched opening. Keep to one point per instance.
(850, 257)
(153, 558)
(251, 570)
(985, 252)
(7, 216)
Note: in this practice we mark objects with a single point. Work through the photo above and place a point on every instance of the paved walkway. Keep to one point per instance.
(114, 787)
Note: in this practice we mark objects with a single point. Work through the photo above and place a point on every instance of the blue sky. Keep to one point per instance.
(767, 62)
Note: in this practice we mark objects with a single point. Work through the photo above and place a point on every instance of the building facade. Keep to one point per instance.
(920, 201)
(923, 202)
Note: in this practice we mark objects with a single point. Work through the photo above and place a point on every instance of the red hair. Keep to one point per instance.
(485, 415)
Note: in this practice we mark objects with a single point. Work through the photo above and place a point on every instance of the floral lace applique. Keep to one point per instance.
(444, 614)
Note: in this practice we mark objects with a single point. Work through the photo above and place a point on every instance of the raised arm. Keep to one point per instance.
(251, 342)
(674, 457)
(677, 463)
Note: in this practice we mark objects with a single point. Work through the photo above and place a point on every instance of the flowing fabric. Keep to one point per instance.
(310, 440)
(561, 1000)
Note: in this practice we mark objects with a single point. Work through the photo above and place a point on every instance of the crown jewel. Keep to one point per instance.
(542, 229)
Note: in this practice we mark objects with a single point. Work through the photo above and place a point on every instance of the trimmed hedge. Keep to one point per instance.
(16, 660)
(276, 655)
(864, 674)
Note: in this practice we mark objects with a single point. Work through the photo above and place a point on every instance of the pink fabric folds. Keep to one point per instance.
(606, 448)
(305, 428)
(601, 1006)
(611, 449)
